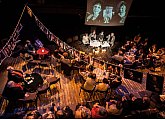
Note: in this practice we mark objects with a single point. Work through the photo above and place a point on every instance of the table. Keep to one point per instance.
(33, 81)
(95, 43)
(42, 51)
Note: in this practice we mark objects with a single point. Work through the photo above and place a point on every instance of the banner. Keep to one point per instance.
(11, 44)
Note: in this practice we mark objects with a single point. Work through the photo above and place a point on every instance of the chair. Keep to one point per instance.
(53, 80)
(31, 98)
(31, 64)
(91, 92)
(103, 92)
(43, 89)
(24, 68)
(37, 70)
(47, 71)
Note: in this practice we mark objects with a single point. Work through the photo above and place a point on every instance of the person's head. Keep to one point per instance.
(108, 9)
(28, 42)
(102, 111)
(10, 84)
(119, 78)
(90, 68)
(112, 34)
(60, 114)
(154, 78)
(93, 76)
(10, 68)
(84, 114)
(145, 98)
(132, 97)
(97, 8)
(122, 9)
(105, 80)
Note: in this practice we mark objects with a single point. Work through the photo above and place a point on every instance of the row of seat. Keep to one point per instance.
(33, 97)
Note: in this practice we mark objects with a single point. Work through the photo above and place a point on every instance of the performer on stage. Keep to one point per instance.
(101, 36)
(85, 39)
(92, 36)
(108, 37)
(112, 40)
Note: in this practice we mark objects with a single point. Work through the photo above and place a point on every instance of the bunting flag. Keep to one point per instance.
(74, 52)
(29, 11)
(11, 44)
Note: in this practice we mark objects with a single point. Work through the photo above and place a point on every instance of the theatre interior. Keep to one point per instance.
(82, 59)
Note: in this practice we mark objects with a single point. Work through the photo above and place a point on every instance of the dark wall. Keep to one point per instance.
(141, 19)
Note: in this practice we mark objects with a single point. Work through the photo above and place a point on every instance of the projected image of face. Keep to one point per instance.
(107, 14)
(122, 11)
(97, 9)
(96, 12)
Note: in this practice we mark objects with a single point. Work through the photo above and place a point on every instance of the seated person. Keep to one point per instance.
(15, 75)
(82, 112)
(90, 82)
(121, 91)
(139, 103)
(102, 86)
(68, 112)
(113, 107)
(29, 48)
(98, 112)
(126, 105)
(90, 68)
(32, 115)
(116, 82)
(85, 39)
(48, 114)
(15, 91)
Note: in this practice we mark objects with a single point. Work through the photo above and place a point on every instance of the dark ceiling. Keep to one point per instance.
(139, 8)
(57, 14)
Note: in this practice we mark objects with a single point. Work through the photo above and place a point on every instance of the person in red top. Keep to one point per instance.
(98, 112)
(15, 75)
(14, 91)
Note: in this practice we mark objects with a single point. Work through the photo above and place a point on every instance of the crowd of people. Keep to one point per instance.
(118, 101)
(101, 37)
(136, 53)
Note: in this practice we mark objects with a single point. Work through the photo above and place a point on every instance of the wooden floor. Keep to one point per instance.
(69, 91)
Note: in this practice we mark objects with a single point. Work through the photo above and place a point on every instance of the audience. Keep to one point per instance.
(15, 75)
(90, 82)
(103, 86)
(82, 112)
(98, 112)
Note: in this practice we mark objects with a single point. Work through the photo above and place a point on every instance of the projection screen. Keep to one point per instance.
(107, 12)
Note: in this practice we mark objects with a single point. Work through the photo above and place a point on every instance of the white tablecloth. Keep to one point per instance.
(96, 43)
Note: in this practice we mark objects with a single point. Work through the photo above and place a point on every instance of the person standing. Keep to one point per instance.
(101, 36)
(85, 39)
(92, 36)
(112, 40)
